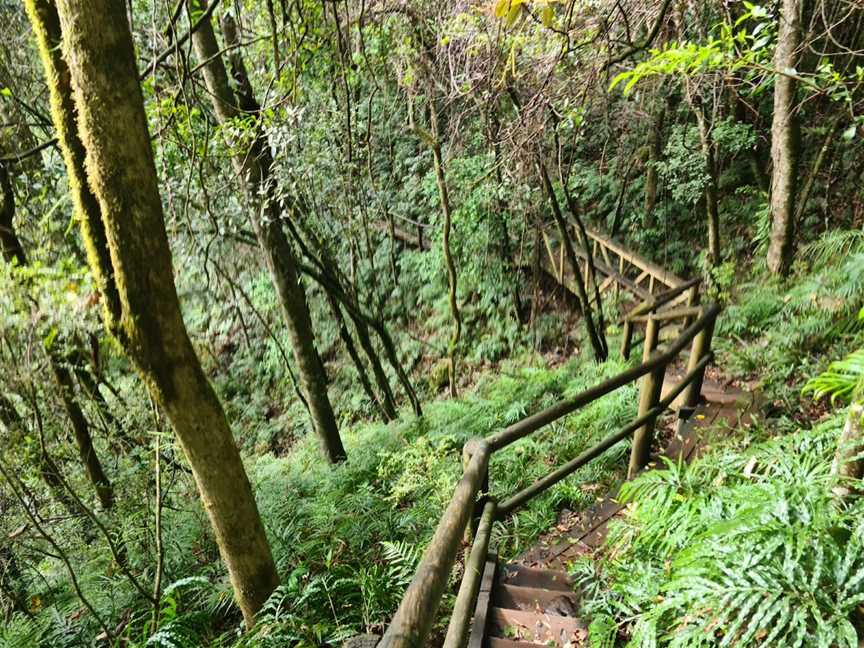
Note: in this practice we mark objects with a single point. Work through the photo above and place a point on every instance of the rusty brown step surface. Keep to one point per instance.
(522, 576)
(536, 627)
(534, 599)
(500, 642)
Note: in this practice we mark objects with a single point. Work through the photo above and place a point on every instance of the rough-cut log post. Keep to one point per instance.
(701, 347)
(649, 395)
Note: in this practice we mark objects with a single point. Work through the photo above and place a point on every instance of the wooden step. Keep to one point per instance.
(536, 628)
(534, 599)
(500, 642)
(522, 576)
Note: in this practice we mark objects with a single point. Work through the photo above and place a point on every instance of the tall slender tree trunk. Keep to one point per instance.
(655, 153)
(121, 173)
(254, 164)
(784, 140)
(444, 196)
(13, 251)
(505, 248)
(711, 194)
(597, 344)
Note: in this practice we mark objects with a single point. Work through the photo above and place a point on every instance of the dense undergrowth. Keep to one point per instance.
(745, 547)
(346, 540)
(749, 545)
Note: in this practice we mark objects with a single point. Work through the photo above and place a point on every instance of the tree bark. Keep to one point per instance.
(848, 464)
(784, 140)
(712, 200)
(597, 344)
(444, 197)
(97, 45)
(254, 164)
(655, 153)
(81, 430)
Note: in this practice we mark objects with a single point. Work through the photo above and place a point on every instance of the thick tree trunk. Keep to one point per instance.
(97, 45)
(254, 164)
(784, 140)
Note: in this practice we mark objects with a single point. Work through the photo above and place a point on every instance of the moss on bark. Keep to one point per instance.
(121, 174)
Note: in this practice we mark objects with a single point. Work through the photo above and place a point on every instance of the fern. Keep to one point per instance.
(834, 245)
(403, 559)
(842, 380)
(739, 549)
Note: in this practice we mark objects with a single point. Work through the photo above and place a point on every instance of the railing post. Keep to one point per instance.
(467, 452)
(701, 347)
(692, 300)
(649, 395)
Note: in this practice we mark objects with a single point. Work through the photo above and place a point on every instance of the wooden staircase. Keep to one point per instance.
(525, 606)
(533, 604)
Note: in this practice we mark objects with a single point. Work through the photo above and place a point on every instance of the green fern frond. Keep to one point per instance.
(842, 380)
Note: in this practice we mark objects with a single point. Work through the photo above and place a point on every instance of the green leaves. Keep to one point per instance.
(842, 380)
(744, 549)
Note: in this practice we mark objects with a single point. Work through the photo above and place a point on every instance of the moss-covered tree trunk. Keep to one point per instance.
(447, 212)
(655, 153)
(848, 462)
(784, 140)
(253, 162)
(120, 172)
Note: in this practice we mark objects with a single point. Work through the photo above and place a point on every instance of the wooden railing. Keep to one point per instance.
(471, 502)
(619, 267)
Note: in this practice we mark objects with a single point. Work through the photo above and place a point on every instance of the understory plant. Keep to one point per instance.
(740, 548)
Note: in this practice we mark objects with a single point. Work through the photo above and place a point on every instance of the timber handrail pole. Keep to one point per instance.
(534, 422)
(460, 621)
(662, 316)
(544, 483)
(416, 614)
(670, 279)
(663, 298)
(649, 396)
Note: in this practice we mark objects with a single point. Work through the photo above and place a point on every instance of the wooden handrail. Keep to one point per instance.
(670, 279)
(665, 316)
(416, 612)
(662, 299)
(460, 621)
(518, 499)
(534, 422)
